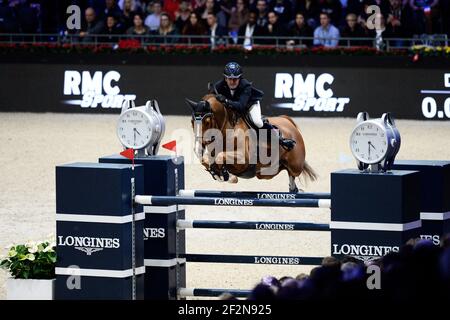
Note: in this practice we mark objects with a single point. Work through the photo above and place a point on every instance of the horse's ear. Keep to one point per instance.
(212, 88)
(191, 104)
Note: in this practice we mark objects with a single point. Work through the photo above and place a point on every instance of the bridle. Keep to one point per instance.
(198, 118)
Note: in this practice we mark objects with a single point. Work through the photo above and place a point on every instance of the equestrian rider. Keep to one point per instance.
(237, 93)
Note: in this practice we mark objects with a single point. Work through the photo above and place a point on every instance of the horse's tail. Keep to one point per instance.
(309, 172)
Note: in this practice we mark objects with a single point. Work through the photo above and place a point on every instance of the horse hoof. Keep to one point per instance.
(233, 179)
(294, 190)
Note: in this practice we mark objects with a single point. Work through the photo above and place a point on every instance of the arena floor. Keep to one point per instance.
(33, 144)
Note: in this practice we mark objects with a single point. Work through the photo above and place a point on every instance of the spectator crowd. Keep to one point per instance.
(325, 22)
(419, 272)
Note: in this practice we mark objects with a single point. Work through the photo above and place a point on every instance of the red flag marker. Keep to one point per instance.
(129, 153)
(171, 145)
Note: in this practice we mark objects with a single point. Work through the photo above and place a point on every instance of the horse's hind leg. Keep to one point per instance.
(233, 178)
(292, 185)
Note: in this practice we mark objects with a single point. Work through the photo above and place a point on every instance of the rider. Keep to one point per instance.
(237, 93)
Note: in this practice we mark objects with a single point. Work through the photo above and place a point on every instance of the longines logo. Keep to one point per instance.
(154, 233)
(89, 245)
(436, 239)
(363, 252)
(274, 226)
(275, 196)
(276, 260)
(232, 202)
(88, 251)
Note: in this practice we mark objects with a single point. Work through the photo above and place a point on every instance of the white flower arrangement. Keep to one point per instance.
(32, 260)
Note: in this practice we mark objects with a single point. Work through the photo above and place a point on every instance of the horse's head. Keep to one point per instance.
(202, 120)
(207, 114)
(200, 110)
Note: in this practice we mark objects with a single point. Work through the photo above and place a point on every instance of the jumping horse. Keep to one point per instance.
(228, 165)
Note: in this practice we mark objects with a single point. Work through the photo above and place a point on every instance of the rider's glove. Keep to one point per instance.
(221, 98)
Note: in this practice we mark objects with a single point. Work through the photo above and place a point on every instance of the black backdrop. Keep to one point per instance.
(373, 84)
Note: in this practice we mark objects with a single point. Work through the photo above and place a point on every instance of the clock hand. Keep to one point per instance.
(137, 132)
(370, 143)
(369, 147)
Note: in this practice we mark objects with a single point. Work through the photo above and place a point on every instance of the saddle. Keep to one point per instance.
(251, 170)
(251, 125)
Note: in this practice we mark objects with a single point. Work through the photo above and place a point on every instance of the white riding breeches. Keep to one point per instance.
(255, 115)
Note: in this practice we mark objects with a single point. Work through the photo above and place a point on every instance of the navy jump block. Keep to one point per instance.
(373, 213)
(161, 173)
(435, 196)
(164, 176)
(94, 226)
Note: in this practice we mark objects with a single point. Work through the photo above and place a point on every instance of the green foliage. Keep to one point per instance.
(33, 260)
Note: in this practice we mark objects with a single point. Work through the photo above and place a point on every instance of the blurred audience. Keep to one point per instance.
(153, 19)
(216, 32)
(273, 29)
(300, 29)
(353, 30)
(138, 28)
(129, 8)
(166, 30)
(91, 26)
(194, 27)
(419, 272)
(183, 14)
(326, 34)
(111, 30)
(332, 22)
(248, 31)
(262, 19)
(239, 16)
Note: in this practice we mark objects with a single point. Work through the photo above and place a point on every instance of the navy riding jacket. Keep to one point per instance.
(244, 96)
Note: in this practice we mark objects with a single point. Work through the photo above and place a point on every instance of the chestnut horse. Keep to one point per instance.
(228, 165)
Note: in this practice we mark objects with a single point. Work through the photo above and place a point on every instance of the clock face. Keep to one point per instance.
(368, 143)
(134, 129)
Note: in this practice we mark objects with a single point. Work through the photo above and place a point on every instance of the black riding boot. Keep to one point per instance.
(287, 144)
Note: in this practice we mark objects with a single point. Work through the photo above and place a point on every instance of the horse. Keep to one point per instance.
(229, 165)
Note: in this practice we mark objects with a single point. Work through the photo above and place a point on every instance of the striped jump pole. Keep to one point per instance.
(205, 201)
(372, 214)
(252, 225)
(247, 259)
(206, 292)
(254, 194)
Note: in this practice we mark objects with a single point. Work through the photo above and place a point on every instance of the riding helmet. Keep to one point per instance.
(232, 70)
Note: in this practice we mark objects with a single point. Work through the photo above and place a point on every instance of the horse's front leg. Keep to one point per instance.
(234, 158)
(208, 162)
(230, 158)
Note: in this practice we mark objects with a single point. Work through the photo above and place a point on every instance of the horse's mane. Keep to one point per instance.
(231, 115)
(209, 95)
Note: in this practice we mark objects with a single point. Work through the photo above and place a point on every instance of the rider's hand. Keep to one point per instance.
(221, 98)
